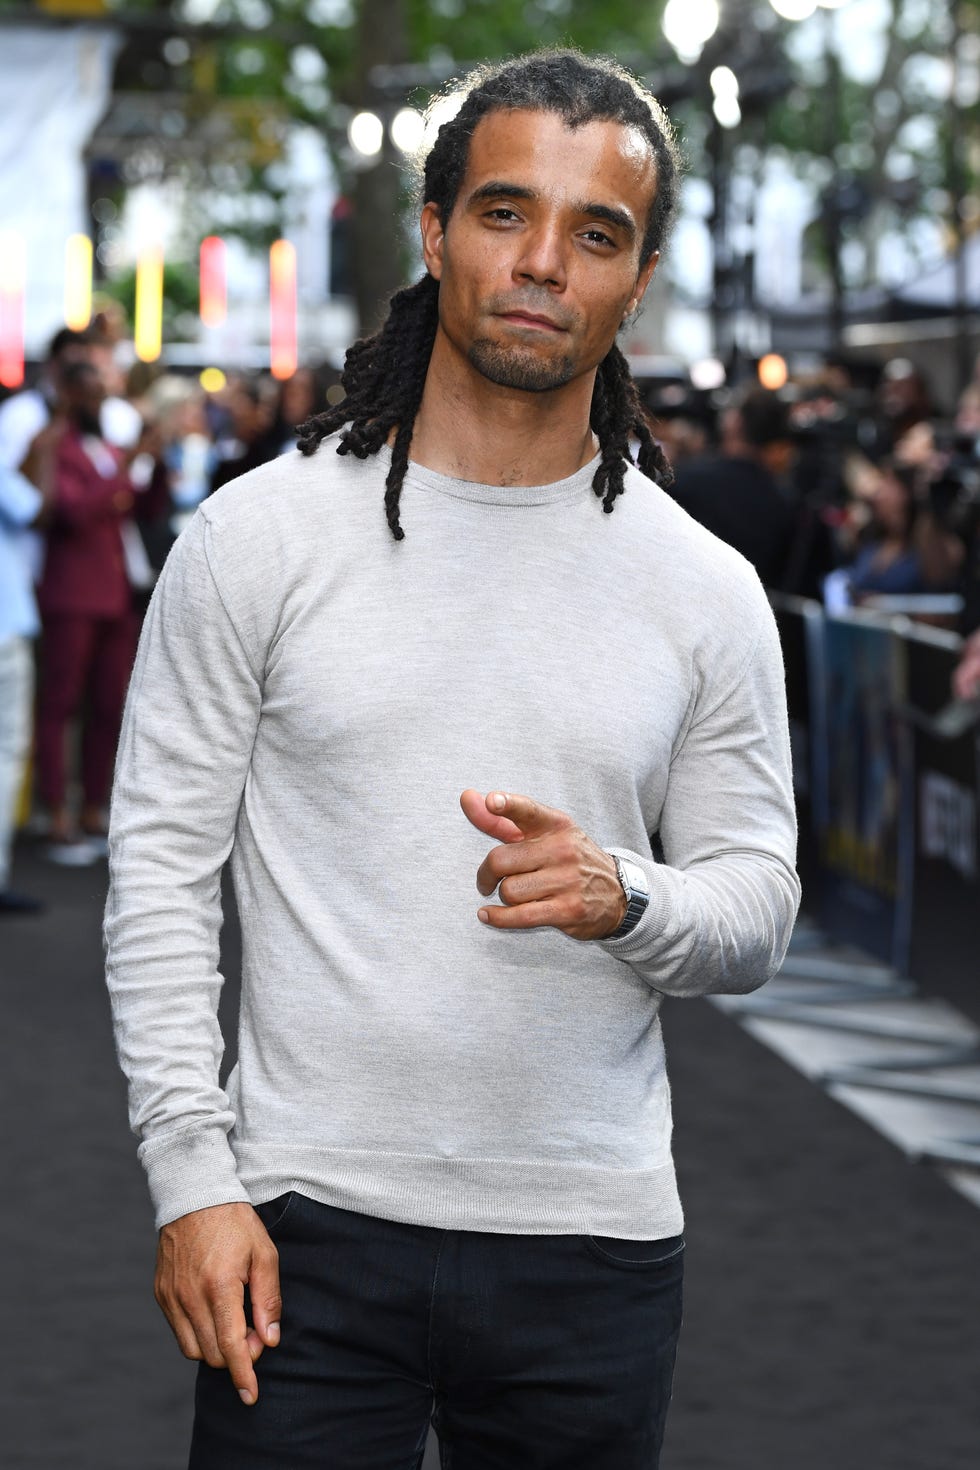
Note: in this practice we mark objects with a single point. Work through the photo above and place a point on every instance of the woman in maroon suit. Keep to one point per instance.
(87, 610)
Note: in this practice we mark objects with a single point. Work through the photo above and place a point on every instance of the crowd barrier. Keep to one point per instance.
(887, 776)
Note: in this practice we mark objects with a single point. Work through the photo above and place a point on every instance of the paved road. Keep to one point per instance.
(833, 1291)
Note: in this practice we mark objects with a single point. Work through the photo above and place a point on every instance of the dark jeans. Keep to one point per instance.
(528, 1352)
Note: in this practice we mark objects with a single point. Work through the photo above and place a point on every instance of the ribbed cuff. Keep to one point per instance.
(654, 921)
(191, 1170)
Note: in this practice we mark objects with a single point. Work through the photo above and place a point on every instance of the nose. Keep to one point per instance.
(542, 259)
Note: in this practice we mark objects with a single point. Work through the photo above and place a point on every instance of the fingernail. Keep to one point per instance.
(273, 1332)
(246, 1397)
(483, 916)
(498, 801)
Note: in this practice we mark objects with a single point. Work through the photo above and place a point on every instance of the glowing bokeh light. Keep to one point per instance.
(78, 282)
(213, 281)
(366, 134)
(13, 271)
(772, 371)
(282, 307)
(148, 326)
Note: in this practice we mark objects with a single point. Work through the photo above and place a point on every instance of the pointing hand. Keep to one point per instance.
(547, 872)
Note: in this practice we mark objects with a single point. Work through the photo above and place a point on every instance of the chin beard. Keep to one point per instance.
(509, 367)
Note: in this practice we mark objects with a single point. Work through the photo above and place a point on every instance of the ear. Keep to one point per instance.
(643, 279)
(433, 235)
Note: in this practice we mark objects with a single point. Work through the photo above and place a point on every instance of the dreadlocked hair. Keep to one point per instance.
(383, 379)
(384, 375)
(616, 415)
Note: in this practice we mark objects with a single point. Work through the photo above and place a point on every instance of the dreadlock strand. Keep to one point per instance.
(383, 379)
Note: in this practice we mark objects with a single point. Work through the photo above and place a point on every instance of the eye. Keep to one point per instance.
(596, 236)
(502, 213)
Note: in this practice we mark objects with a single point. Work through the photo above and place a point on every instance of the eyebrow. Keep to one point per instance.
(497, 189)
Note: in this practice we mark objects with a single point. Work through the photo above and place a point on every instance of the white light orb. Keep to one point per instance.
(794, 9)
(724, 82)
(407, 129)
(366, 133)
(726, 109)
(687, 24)
(708, 374)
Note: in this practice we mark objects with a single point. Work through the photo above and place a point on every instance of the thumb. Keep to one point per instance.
(476, 810)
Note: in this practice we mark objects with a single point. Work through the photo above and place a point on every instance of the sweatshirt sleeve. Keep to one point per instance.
(184, 753)
(723, 904)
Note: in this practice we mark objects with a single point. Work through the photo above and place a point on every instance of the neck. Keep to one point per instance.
(475, 430)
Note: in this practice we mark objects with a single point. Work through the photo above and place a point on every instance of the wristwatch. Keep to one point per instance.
(637, 891)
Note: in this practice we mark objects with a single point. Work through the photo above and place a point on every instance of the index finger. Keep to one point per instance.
(532, 817)
(231, 1332)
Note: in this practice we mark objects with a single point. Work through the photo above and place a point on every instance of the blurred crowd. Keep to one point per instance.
(845, 485)
(100, 468)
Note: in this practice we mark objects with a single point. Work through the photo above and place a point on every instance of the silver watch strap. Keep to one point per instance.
(637, 892)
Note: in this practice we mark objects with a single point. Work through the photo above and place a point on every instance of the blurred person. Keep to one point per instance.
(903, 552)
(296, 402)
(966, 676)
(22, 502)
(736, 493)
(252, 442)
(460, 578)
(902, 400)
(86, 603)
(179, 407)
(23, 415)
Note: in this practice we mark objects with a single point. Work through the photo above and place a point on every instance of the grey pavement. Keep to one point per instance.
(833, 1288)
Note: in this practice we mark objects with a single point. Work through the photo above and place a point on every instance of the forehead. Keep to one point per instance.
(603, 162)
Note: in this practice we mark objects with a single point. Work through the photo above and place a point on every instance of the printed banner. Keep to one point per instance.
(864, 823)
(945, 938)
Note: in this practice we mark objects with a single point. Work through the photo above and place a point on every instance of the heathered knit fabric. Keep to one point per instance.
(310, 698)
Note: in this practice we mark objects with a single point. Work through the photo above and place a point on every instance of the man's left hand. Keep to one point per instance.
(548, 872)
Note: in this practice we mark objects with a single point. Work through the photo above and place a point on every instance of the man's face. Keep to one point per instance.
(84, 398)
(72, 353)
(540, 261)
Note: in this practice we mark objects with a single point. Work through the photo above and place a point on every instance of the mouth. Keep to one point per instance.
(530, 320)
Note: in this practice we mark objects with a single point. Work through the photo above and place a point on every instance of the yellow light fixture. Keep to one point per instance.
(148, 327)
(78, 282)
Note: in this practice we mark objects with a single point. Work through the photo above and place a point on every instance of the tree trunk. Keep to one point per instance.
(376, 237)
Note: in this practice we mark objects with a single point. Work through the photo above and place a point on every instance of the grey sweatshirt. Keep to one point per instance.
(310, 697)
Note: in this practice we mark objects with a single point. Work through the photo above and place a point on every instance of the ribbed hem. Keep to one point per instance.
(499, 1195)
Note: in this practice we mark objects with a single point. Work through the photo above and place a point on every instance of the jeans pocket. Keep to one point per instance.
(273, 1212)
(635, 1255)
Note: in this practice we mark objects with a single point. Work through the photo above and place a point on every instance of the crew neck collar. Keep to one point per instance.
(507, 495)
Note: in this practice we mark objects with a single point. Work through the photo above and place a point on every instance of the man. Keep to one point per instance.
(23, 415)
(87, 612)
(736, 493)
(452, 1120)
(22, 502)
